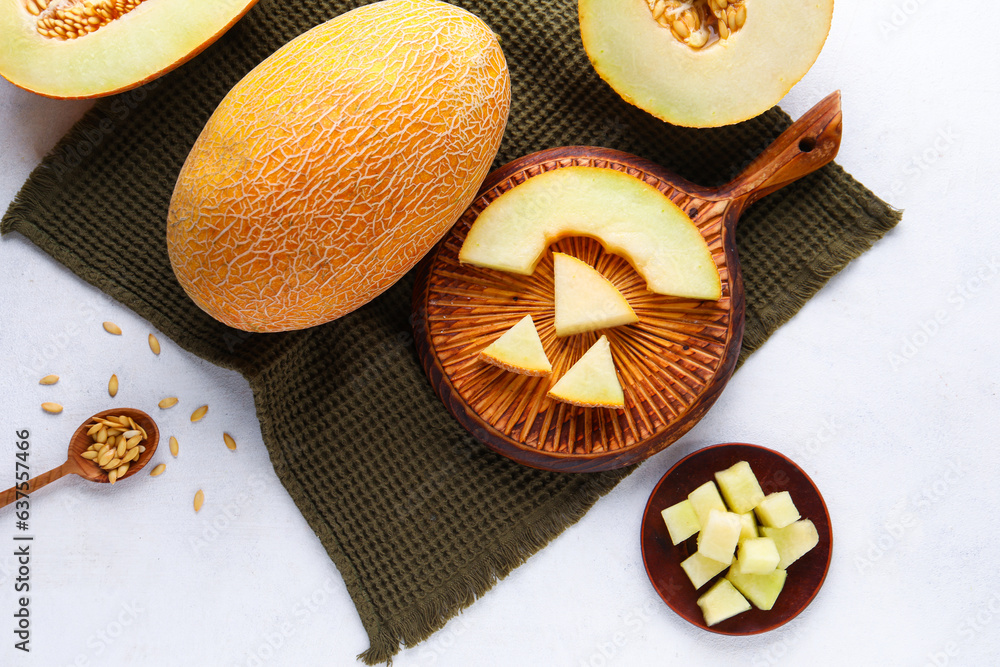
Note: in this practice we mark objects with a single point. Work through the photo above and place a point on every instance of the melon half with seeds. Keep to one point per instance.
(704, 63)
(90, 48)
(332, 168)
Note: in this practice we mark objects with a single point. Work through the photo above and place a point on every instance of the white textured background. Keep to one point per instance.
(883, 389)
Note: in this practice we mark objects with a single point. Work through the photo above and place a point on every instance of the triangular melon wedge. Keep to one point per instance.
(627, 215)
(585, 300)
(519, 350)
(591, 382)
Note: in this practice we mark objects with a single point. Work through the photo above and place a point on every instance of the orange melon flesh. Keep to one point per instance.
(731, 80)
(151, 39)
(337, 163)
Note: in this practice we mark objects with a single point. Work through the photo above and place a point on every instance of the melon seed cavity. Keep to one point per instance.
(70, 19)
(699, 23)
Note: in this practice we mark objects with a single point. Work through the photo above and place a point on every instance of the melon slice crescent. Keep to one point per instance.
(628, 216)
(519, 350)
(585, 300)
(591, 382)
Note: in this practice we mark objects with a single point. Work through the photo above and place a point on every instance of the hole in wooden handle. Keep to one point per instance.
(807, 144)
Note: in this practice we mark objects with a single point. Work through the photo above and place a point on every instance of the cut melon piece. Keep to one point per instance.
(688, 67)
(585, 300)
(705, 499)
(592, 382)
(748, 526)
(757, 555)
(719, 536)
(722, 601)
(777, 510)
(793, 541)
(519, 350)
(739, 487)
(700, 570)
(126, 42)
(628, 216)
(761, 589)
(681, 520)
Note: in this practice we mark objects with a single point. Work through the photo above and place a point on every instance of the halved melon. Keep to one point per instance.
(592, 382)
(627, 215)
(585, 300)
(704, 63)
(91, 48)
(519, 350)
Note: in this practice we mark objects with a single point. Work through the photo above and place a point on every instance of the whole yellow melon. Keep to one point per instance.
(337, 163)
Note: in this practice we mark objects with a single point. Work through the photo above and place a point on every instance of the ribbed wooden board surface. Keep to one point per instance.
(671, 364)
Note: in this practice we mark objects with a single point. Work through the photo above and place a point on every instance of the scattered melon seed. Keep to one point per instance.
(199, 413)
(174, 446)
(229, 441)
(158, 470)
(168, 402)
(199, 500)
(49, 379)
(113, 328)
(154, 344)
(53, 408)
(113, 385)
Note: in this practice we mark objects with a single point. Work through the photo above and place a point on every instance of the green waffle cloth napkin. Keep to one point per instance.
(419, 518)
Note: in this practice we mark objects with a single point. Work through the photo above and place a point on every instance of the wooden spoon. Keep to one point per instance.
(89, 470)
(673, 363)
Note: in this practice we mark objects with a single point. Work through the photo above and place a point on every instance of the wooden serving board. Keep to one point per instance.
(672, 364)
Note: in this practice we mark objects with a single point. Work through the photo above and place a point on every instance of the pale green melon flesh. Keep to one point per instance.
(722, 601)
(585, 300)
(519, 350)
(777, 510)
(592, 381)
(726, 82)
(719, 536)
(793, 541)
(705, 499)
(700, 569)
(628, 216)
(681, 521)
(756, 555)
(739, 487)
(761, 589)
(151, 39)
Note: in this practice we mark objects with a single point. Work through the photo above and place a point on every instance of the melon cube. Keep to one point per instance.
(681, 520)
(761, 589)
(793, 541)
(757, 556)
(705, 499)
(748, 526)
(739, 487)
(700, 570)
(722, 601)
(719, 536)
(777, 510)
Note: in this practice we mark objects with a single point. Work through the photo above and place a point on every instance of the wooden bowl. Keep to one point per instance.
(80, 442)
(672, 364)
(663, 559)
